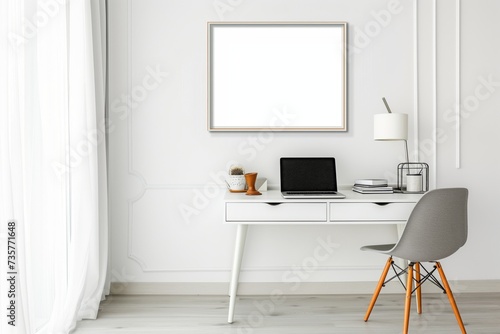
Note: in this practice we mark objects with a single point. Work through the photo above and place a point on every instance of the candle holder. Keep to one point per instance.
(251, 178)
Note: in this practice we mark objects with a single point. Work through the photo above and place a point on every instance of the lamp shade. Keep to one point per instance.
(390, 126)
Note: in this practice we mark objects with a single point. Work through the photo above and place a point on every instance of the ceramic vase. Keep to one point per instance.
(251, 178)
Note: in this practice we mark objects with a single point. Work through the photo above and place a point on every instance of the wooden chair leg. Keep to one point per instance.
(409, 287)
(419, 291)
(450, 297)
(378, 288)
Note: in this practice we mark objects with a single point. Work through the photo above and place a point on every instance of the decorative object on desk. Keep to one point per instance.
(372, 186)
(251, 178)
(371, 182)
(236, 179)
(373, 190)
(261, 184)
(236, 170)
(414, 183)
(413, 177)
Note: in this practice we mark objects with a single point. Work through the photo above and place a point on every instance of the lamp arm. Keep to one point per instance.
(407, 157)
(406, 151)
(387, 105)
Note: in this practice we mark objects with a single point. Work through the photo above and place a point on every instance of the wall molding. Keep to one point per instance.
(251, 269)
(434, 98)
(415, 82)
(145, 186)
(305, 288)
(458, 78)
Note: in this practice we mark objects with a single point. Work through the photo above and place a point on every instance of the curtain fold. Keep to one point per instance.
(54, 140)
(14, 234)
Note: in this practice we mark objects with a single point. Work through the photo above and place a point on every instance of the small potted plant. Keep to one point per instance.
(236, 178)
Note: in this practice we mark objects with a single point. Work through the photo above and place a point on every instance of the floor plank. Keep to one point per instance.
(291, 314)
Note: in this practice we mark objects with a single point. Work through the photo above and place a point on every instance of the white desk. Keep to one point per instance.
(272, 208)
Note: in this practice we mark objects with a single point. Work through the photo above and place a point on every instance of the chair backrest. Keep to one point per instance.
(436, 228)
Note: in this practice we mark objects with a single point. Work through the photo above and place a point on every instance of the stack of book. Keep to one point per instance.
(372, 186)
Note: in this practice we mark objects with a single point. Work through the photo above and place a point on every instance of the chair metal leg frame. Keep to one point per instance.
(429, 276)
(382, 282)
(398, 274)
(419, 280)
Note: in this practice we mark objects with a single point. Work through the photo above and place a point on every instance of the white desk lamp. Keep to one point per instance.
(391, 126)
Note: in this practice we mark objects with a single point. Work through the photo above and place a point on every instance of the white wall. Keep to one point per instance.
(480, 114)
(166, 212)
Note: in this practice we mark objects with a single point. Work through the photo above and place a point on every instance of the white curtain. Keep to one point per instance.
(53, 161)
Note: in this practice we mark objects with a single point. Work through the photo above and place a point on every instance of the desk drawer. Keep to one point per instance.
(370, 211)
(276, 212)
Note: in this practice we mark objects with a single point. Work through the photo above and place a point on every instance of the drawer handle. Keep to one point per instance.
(381, 203)
(274, 204)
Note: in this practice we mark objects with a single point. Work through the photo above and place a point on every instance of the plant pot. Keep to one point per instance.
(236, 182)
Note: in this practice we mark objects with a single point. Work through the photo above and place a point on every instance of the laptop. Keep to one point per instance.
(308, 178)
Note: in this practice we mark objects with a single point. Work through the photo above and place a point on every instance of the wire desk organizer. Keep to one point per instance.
(413, 169)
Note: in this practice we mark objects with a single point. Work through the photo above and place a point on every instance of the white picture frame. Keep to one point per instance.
(272, 76)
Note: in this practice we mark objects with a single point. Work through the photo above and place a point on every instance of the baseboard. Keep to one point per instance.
(309, 288)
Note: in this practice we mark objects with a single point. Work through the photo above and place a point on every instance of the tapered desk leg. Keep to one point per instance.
(239, 247)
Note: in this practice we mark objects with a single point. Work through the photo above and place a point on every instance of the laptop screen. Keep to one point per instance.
(308, 174)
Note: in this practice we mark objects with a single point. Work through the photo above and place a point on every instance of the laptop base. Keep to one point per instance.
(311, 194)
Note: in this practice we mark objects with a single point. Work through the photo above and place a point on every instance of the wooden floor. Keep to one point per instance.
(291, 314)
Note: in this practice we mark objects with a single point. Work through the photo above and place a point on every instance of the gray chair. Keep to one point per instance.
(436, 228)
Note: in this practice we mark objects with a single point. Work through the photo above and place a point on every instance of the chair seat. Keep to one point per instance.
(378, 248)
